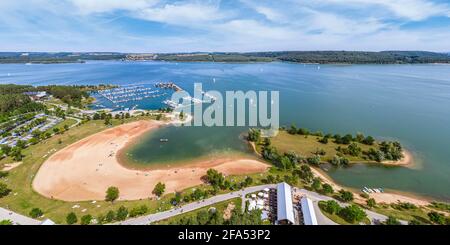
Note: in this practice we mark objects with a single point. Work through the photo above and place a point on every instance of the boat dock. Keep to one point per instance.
(168, 85)
(130, 93)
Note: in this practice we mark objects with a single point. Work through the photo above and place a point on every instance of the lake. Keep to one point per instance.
(408, 103)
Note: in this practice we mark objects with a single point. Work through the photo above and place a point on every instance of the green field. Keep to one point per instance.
(23, 198)
(306, 146)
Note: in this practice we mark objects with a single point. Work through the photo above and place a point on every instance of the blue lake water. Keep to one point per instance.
(408, 103)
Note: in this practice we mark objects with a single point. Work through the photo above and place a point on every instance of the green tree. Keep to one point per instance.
(214, 177)
(254, 135)
(316, 184)
(112, 193)
(391, 220)
(71, 218)
(110, 216)
(3, 174)
(4, 190)
(86, 219)
(16, 153)
(315, 160)
(371, 202)
(122, 213)
(332, 207)
(6, 149)
(137, 211)
(36, 212)
(327, 188)
(345, 196)
(203, 217)
(159, 189)
(369, 140)
(352, 213)
(436, 218)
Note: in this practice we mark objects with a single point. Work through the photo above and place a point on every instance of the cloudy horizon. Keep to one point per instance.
(163, 26)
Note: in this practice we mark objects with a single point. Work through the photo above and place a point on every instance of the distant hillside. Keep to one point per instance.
(321, 57)
(50, 58)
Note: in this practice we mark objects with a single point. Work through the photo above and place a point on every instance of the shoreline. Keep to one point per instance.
(406, 161)
(392, 196)
(84, 170)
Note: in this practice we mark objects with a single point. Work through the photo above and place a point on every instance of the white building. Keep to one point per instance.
(285, 209)
(309, 215)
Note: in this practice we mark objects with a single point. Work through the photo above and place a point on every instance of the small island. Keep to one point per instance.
(300, 145)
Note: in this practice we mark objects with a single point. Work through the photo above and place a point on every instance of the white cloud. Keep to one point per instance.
(182, 14)
(220, 26)
(415, 10)
(101, 6)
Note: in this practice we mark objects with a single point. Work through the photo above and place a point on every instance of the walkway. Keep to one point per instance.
(144, 220)
(16, 218)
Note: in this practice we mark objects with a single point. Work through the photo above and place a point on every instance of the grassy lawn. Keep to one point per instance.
(307, 145)
(220, 207)
(23, 198)
(337, 219)
(404, 214)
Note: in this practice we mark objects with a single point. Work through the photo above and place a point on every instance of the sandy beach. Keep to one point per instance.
(407, 160)
(85, 169)
(385, 197)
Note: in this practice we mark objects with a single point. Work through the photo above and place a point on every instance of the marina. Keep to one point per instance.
(130, 93)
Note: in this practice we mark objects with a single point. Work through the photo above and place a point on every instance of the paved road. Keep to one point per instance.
(16, 218)
(144, 220)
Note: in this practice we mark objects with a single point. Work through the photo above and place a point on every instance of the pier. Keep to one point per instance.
(130, 93)
(168, 85)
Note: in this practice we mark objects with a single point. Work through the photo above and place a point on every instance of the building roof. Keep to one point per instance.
(47, 222)
(285, 210)
(309, 215)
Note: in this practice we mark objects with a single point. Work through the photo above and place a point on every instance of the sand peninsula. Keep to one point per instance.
(84, 170)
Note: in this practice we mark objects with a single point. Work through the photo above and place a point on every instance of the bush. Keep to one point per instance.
(86, 219)
(122, 213)
(345, 196)
(332, 207)
(315, 160)
(3, 174)
(371, 202)
(159, 189)
(364, 195)
(36, 212)
(352, 214)
(112, 193)
(437, 218)
(138, 211)
(6, 222)
(391, 220)
(71, 218)
(4, 190)
(327, 189)
(110, 216)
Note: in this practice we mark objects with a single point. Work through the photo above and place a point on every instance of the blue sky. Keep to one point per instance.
(227, 25)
